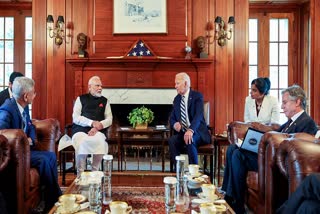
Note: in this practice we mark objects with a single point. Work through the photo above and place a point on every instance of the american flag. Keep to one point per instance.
(140, 49)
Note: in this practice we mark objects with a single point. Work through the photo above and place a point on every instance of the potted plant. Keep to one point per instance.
(140, 117)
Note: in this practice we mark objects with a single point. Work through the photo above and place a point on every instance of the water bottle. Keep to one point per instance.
(180, 167)
(106, 180)
(182, 197)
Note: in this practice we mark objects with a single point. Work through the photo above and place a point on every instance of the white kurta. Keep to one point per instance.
(83, 143)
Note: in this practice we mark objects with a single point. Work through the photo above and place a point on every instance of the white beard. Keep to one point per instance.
(97, 94)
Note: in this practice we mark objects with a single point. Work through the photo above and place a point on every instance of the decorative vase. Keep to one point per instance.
(141, 126)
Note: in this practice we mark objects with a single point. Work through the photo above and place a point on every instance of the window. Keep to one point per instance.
(15, 44)
(269, 56)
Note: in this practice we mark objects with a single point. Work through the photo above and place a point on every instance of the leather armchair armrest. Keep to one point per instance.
(4, 152)
(237, 129)
(48, 133)
(297, 158)
(19, 160)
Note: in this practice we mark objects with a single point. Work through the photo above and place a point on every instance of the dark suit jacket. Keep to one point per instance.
(195, 114)
(10, 118)
(304, 123)
(4, 95)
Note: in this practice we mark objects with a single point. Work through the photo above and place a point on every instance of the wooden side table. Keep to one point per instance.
(141, 137)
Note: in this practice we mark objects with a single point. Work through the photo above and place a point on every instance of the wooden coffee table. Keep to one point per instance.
(142, 191)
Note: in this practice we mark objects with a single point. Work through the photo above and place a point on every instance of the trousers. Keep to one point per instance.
(238, 163)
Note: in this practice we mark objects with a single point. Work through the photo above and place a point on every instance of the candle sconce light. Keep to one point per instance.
(57, 31)
(223, 32)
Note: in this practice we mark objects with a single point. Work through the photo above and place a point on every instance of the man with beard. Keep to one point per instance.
(91, 116)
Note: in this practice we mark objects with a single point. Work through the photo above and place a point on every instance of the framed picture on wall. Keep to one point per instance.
(139, 16)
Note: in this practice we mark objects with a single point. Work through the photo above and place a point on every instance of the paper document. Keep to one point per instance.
(239, 142)
(160, 127)
(64, 142)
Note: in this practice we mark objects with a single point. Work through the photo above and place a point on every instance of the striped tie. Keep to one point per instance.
(285, 129)
(183, 114)
(24, 121)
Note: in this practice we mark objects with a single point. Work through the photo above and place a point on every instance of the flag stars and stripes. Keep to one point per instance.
(140, 49)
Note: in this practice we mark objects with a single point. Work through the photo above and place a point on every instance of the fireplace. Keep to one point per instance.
(124, 100)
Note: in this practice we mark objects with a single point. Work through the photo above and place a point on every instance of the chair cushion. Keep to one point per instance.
(34, 178)
(252, 180)
(206, 149)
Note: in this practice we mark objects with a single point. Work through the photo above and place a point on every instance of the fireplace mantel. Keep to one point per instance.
(129, 62)
(134, 72)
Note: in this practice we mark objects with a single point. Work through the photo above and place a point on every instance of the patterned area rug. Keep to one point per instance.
(142, 199)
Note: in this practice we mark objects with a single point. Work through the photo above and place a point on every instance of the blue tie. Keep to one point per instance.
(24, 121)
(183, 114)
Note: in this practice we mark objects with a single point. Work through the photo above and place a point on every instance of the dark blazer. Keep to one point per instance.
(304, 123)
(10, 118)
(4, 95)
(195, 114)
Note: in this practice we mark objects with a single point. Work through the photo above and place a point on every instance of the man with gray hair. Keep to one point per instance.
(14, 115)
(91, 116)
(242, 161)
(294, 104)
(187, 120)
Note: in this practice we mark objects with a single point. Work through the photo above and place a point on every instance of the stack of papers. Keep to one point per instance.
(160, 127)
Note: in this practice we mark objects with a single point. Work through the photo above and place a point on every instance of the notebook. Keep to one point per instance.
(251, 140)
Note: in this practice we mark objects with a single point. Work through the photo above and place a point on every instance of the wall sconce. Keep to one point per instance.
(56, 32)
(223, 32)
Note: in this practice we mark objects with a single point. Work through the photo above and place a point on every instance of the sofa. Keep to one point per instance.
(297, 158)
(265, 187)
(19, 183)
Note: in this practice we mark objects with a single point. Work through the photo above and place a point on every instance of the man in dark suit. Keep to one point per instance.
(14, 116)
(239, 162)
(7, 93)
(306, 198)
(187, 120)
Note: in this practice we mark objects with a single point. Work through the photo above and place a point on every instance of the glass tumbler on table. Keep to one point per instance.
(106, 180)
(170, 193)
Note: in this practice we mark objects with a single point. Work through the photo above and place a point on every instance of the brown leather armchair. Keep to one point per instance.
(265, 186)
(297, 158)
(256, 181)
(4, 153)
(19, 183)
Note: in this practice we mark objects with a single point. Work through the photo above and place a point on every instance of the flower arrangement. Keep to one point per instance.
(140, 115)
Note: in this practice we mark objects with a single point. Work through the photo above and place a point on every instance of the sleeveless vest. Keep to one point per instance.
(92, 108)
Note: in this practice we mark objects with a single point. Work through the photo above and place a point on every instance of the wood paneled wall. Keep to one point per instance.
(187, 19)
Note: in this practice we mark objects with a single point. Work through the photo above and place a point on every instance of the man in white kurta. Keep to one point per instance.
(91, 116)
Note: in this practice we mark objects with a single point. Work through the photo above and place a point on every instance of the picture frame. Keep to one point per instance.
(139, 16)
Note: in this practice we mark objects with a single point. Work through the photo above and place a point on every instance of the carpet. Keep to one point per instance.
(142, 199)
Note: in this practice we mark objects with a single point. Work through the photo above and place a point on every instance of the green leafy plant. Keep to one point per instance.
(140, 115)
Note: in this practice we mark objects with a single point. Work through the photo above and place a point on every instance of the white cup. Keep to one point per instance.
(208, 190)
(193, 169)
(68, 202)
(207, 208)
(119, 207)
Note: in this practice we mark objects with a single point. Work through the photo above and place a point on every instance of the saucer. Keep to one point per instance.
(61, 210)
(80, 198)
(212, 199)
(198, 174)
(85, 212)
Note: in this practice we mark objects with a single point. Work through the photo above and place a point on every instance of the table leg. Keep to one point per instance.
(162, 151)
(119, 139)
(216, 152)
(219, 163)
